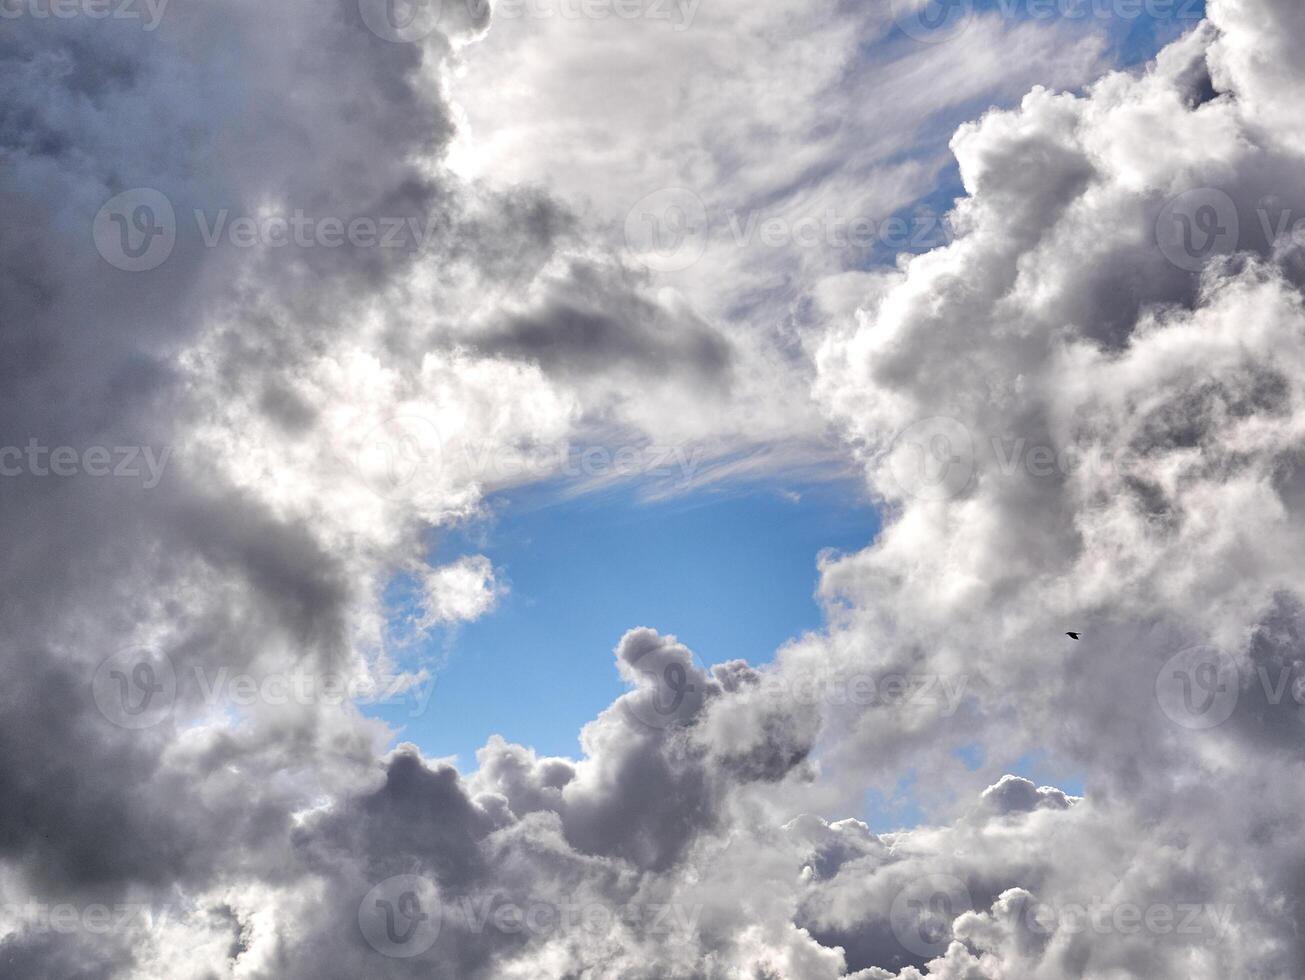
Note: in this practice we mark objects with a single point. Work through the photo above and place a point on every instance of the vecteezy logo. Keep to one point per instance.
(396, 453)
(1198, 688)
(932, 459)
(401, 21)
(401, 917)
(136, 230)
(667, 230)
(135, 688)
(670, 696)
(1196, 226)
(922, 913)
(933, 21)
(479, 12)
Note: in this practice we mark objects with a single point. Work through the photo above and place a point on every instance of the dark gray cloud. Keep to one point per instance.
(568, 334)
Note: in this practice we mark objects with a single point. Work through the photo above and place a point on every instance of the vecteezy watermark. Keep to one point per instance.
(1281, 225)
(935, 21)
(671, 693)
(95, 918)
(403, 917)
(136, 231)
(136, 688)
(1198, 687)
(304, 687)
(149, 11)
(401, 21)
(933, 459)
(36, 459)
(1197, 226)
(1192, 920)
(396, 453)
(669, 230)
(925, 229)
(1204, 223)
(411, 21)
(402, 454)
(938, 458)
(923, 911)
(301, 230)
(679, 14)
(667, 922)
(942, 693)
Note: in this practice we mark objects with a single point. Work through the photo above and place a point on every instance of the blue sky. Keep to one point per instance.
(1135, 35)
(732, 574)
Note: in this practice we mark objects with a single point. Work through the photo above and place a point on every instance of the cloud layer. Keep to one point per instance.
(256, 246)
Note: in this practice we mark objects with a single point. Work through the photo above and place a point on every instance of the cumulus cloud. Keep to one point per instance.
(461, 591)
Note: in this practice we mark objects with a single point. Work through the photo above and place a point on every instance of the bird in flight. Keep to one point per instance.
(1072, 635)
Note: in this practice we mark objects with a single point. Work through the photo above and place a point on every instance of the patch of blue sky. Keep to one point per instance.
(1135, 29)
(732, 573)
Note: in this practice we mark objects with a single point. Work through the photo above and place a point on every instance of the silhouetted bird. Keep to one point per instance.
(1072, 635)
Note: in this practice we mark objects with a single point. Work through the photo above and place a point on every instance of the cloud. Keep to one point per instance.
(1082, 408)
(461, 591)
(1079, 415)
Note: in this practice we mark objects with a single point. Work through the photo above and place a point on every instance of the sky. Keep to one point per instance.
(732, 572)
(552, 489)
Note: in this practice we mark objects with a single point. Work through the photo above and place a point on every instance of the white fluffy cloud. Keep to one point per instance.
(461, 591)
